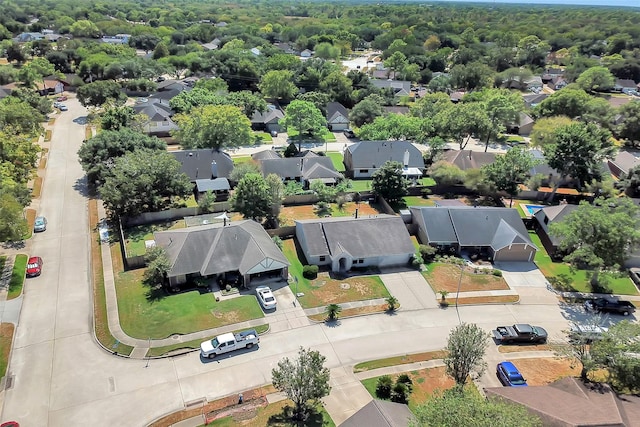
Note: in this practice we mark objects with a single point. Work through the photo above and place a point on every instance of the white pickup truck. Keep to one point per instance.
(226, 343)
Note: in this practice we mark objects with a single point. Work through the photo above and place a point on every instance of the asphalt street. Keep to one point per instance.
(61, 377)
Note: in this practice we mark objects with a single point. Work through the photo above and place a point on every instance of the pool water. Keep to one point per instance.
(531, 209)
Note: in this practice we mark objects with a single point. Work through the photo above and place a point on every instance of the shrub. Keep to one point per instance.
(310, 271)
(392, 302)
(427, 252)
(497, 273)
(426, 192)
(383, 387)
(332, 312)
(400, 393)
(406, 380)
(417, 260)
(228, 288)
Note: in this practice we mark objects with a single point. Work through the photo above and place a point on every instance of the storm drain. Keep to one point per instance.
(9, 382)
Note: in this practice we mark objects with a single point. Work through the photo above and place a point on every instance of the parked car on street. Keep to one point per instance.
(61, 98)
(266, 298)
(509, 375)
(63, 107)
(34, 266)
(229, 342)
(520, 333)
(40, 224)
(586, 333)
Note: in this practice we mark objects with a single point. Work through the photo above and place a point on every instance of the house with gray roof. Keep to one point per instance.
(158, 114)
(399, 87)
(623, 162)
(221, 250)
(380, 413)
(344, 243)
(523, 126)
(468, 159)
(546, 216)
(304, 168)
(204, 163)
(364, 158)
(268, 120)
(496, 232)
(337, 117)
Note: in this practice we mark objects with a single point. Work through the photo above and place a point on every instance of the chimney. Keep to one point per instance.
(214, 169)
(405, 159)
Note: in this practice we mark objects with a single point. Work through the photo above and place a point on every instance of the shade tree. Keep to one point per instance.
(213, 126)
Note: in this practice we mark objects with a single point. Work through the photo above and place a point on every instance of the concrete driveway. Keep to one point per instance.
(411, 289)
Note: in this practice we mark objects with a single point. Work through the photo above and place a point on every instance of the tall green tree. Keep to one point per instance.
(304, 118)
(13, 226)
(18, 117)
(278, 84)
(304, 380)
(98, 93)
(596, 79)
(579, 151)
(570, 101)
(98, 154)
(252, 197)
(509, 170)
(617, 352)
(367, 110)
(214, 126)
(543, 132)
(454, 409)
(502, 106)
(389, 182)
(466, 348)
(117, 117)
(629, 127)
(462, 122)
(144, 181)
(599, 236)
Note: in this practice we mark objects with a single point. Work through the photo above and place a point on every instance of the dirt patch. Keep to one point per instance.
(37, 187)
(288, 214)
(427, 381)
(31, 218)
(325, 290)
(349, 312)
(211, 407)
(445, 277)
(542, 371)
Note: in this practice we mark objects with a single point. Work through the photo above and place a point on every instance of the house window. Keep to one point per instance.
(364, 170)
(360, 261)
(546, 220)
(322, 258)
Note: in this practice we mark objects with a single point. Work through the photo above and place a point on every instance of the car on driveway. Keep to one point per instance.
(40, 224)
(34, 266)
(349, 133)
(509, 375)
(274, 133)
(266, 298)
(61, 98)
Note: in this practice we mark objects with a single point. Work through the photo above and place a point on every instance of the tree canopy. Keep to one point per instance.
(389, 182)
(466, 348)
(252, 197)
(213, 126)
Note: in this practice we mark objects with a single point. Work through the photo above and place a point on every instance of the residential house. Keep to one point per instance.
(550, 176)
(468, 159)
(550, 73)
(28, 37)
(558, 82)
(524, 126)
(230, 249)
(117, 39)
(287, 48)
(218, 186)
(204, 163)
(456, 96)
(498, 233)
(399, 87)
(50, 85)
(5, 91)
(268, 120)
(583, 404)
(174, 85)
(364, 158)
(546, 216)
(212, 45)
(623, 162)
(306, 54)
(396, 109)
(346, 242)
(255, 51)
(625, 85)
(305, 168)
(337, 117)
(221, 24)
(533, 84)
(533, 99)
(159, 117)
(380, 413)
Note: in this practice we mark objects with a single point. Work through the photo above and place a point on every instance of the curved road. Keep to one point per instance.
(60, 377)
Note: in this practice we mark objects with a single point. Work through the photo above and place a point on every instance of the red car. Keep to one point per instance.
(10, 424)
(61, 98)
(34, 266)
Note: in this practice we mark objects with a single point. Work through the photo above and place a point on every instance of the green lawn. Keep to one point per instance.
(326, 136)
(361, 184)
(427, 181)
(190, 202)
(337, 160)
(145, 314)
(238, 160)
(621, 285)
(136, 236)
(263, 137)
(418, 201)
(17, 276)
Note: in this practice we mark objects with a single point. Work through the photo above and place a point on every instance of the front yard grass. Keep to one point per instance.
(326, 136)
(580, 278)
(324, 290)
(263, 137)
(417, 201)
(16, 282)
(238, 160)
(136, 236)
(275, 415)
(154, 314)
(445, 277)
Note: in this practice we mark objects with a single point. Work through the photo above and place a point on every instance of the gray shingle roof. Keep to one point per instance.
(156, 110)
(337, 111)
(266, 154)
(217, 184)
(380, 413)
(374, 154)
(469, 226)
(468, 159)
(216, 249)
(197, 164)
(367, 237)
(272, 115)
(311, 166)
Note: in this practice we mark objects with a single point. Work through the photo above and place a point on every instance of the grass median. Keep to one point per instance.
(17, 276)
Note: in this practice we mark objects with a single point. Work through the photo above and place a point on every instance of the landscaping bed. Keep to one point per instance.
(16, 283)
(445, 277)
(350, 312)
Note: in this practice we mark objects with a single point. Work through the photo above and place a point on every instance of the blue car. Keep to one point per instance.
(509, 375)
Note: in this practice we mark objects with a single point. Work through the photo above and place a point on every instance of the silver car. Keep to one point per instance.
(266, 298)
(40, 224)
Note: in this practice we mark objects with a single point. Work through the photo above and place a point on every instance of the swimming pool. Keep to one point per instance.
(531, 209)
